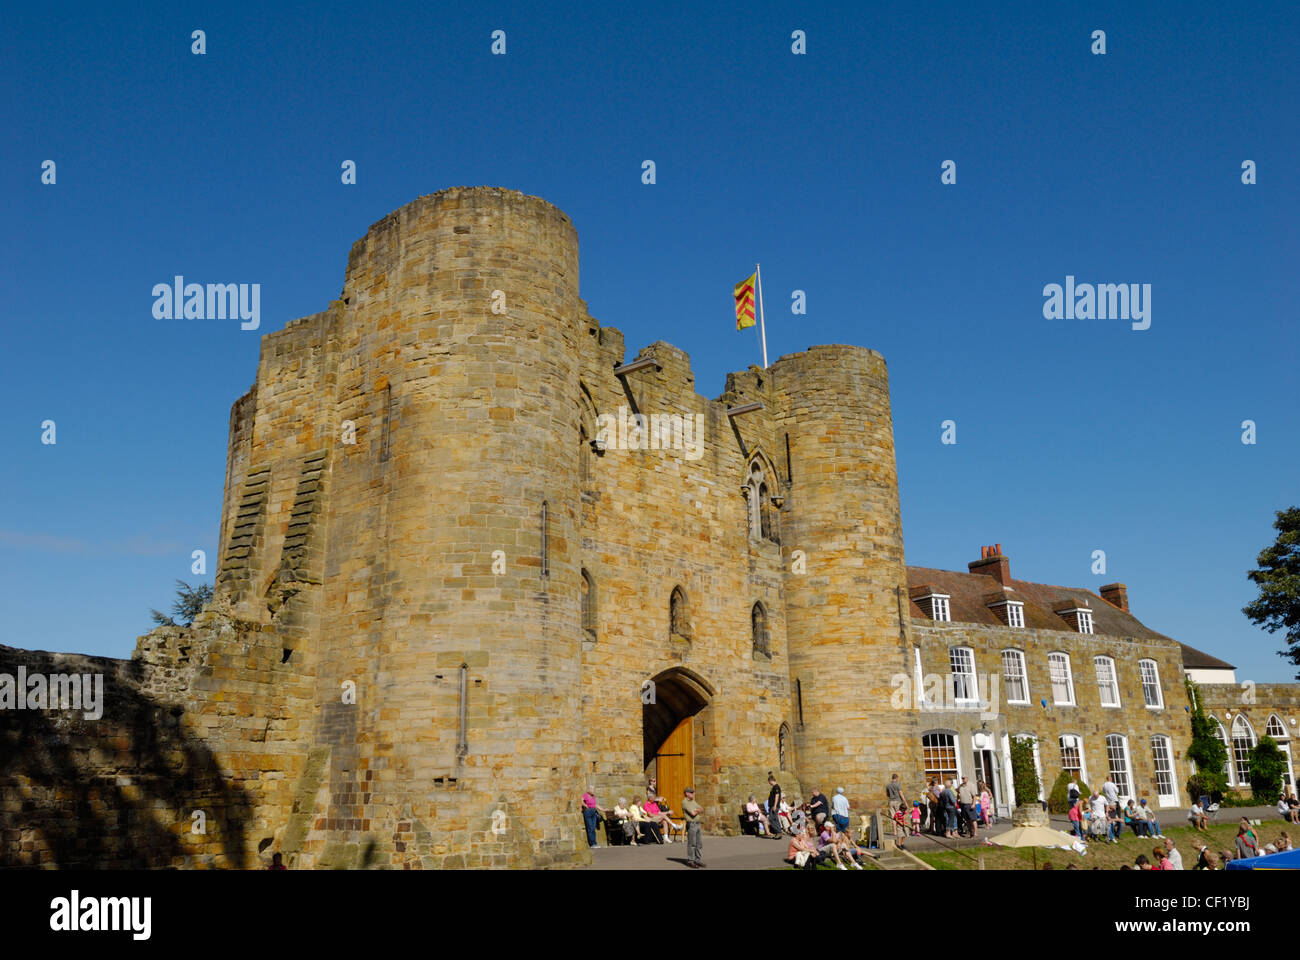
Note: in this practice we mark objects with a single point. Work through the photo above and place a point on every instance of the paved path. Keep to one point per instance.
(758, 853)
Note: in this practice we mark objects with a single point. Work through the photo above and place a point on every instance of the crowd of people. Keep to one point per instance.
(1104, 816)
(817, 830)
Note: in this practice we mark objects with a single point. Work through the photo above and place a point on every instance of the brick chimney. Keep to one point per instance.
(993, 564)
(1116, 594)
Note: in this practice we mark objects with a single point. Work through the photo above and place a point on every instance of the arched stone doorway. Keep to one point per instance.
(673, 709)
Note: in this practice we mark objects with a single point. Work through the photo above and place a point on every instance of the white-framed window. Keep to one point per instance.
(1072, 755)
(1058, 666)
(1243, 741)
(939, 754)
(939, 608)
(1118, 763)
(962, 661)
(1085, 621)
(1013, 674)
(1151, 684)
(1162, 757)
(1227, 746)
(1107, 685)
(1015, 614)
(1275, 728)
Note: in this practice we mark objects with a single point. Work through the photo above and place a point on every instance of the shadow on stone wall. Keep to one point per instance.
(114, 792)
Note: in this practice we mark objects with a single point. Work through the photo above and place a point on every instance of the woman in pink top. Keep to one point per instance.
(986, 804)
(651, 810)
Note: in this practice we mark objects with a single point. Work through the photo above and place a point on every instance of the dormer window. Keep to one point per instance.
(1010, 612)
(932, 603)
(1077, 615)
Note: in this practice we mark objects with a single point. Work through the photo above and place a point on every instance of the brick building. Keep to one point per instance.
(475, 560)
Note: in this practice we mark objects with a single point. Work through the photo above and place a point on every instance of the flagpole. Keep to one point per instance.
(762, 327)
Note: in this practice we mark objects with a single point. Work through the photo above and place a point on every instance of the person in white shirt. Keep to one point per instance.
(1110, 791)
(1197, 815)
(1172, 854)
(840, 809)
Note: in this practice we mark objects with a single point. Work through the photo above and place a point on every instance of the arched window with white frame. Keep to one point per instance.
(1243, 741)
(939, 755)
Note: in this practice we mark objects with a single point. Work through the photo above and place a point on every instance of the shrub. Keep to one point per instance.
(1267, 768)
(1024, 778)
(1058, 801)
(1199, 785)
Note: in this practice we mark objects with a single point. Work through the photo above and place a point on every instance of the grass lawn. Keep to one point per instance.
(1107, 856)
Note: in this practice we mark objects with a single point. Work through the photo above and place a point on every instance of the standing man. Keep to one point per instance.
(937, 822)
(840, 809)
(694, 835)
(966, 801)
(894, 793)
(773, 806)
(1110, 791)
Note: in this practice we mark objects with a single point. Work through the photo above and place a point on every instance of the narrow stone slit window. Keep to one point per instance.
(588, 587)
(546, 562)
(386, 398)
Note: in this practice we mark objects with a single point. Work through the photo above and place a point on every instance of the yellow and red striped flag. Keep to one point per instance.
(745, 303)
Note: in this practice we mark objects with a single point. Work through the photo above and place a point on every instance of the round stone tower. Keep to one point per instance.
(846, 616)
(450, 574)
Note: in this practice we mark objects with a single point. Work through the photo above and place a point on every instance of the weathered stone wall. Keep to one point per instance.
(1257, 703)
(1087, 718)
(845, 615)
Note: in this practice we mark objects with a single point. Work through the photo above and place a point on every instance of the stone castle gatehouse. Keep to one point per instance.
(461, 580)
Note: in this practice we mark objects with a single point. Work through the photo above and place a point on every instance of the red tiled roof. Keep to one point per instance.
(969, 593)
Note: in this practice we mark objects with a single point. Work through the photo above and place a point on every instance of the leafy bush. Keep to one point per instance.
(1234, 799)
(1024, 778)
(1267, 768)
(1199, 786)
(1058, 801)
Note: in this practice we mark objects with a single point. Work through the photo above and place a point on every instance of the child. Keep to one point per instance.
(900, 827)
(1076, 821)
(916, 819)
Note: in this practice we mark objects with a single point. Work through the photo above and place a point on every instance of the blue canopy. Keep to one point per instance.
(1286, 860)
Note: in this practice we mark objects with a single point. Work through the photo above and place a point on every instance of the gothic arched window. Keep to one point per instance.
(679, 624)
(758, 630)
(588, 605)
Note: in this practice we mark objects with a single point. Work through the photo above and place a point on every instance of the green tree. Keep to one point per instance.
(190, 601)
(1024, 777)
(1267, 767)
(1058, 801)
(1278, 580)
(1207, 751)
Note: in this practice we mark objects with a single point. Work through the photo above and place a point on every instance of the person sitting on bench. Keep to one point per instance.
(623, 817)
(645, 823)
(755, 822)
(651, 809)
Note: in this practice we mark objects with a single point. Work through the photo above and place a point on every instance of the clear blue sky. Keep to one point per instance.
(1073, 435)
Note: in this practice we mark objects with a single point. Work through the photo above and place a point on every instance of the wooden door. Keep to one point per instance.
(675, 763)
